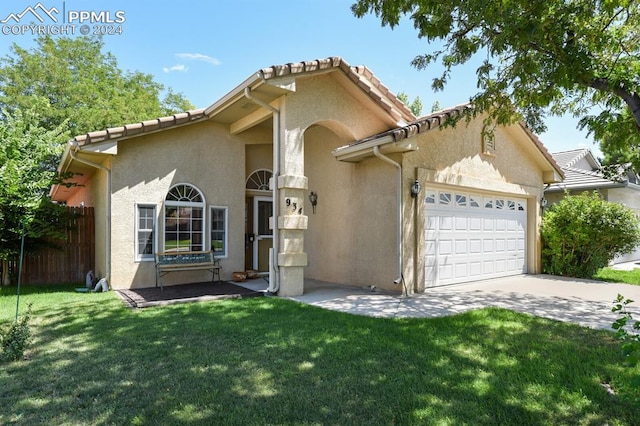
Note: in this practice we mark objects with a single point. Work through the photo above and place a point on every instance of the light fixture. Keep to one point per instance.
(543, 202)
(415, 189)
(313, 198)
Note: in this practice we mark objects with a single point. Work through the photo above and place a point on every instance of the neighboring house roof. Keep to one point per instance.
(583, 175)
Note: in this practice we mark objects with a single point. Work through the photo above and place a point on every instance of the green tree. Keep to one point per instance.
(83, 86)
(28, 158)
(538, 57)
(583, 233)
(415, 106)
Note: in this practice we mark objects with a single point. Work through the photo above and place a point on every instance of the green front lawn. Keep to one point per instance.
(618, 276)
(273, 361)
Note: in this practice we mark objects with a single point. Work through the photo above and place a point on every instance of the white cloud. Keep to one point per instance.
(179, 67)
(198, 57)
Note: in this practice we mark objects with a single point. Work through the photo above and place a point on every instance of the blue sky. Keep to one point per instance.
(204, 49)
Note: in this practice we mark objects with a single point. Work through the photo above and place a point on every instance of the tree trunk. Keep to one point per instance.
(631, 99)
(5, 273)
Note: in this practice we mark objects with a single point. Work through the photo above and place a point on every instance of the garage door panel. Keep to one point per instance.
(445, 272)
(475, 269)
(445, 223)
(488, 266)
(461, 247)
(461, 270)
(475, 245)
(445, 247)
(475, 224)
(431, 247)
(470, 237)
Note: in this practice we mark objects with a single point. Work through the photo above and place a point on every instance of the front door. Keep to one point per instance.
(263, 234)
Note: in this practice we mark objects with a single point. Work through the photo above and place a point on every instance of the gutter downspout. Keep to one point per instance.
(274, 281)
(72, 152)
(399, 235)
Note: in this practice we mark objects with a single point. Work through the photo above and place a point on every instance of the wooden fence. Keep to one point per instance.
(71, 262)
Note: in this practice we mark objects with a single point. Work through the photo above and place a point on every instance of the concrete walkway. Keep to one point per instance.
(583, 302)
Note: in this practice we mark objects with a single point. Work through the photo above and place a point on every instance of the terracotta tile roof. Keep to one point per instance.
(439, 118)
(360, 75)
(141, 127)
(421, 125)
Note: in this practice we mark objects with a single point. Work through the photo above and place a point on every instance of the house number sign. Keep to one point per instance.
(293, 205)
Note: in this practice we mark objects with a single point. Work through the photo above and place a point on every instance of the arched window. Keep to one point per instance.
(259, 180)
(184, 219)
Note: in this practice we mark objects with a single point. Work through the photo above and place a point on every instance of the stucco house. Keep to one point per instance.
(584, 173)
(403, 203)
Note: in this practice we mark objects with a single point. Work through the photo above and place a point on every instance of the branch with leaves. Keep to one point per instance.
(537, 58)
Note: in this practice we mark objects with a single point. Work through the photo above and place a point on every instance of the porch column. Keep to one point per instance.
(292, 219)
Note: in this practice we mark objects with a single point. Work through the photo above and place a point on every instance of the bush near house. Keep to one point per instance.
(583, 233)
(14, 341)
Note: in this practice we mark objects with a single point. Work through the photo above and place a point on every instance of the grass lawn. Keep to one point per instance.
(271, 361)
(618, 276)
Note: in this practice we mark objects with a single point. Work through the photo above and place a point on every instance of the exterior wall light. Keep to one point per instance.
(543, 202)
(415, 189)
(313, 198)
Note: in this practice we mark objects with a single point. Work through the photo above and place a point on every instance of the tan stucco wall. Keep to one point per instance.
(451, 157)
(324, 99)
(350, 239)
(203, 155)
(328, 101)
(259, 157)
(627, 196)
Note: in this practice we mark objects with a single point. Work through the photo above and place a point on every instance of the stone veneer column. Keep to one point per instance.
(292, 220)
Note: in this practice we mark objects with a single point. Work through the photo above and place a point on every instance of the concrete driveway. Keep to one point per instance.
(583, 302)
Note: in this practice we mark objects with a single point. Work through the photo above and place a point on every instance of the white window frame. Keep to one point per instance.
(185, 204)
(141, 257)
(225, 241)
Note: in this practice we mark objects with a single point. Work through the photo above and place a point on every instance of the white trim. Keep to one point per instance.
(173, 203)
(226, 230)
(256, 213)
(145, 257)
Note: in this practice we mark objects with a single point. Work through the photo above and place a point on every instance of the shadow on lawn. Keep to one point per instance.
(267, 360)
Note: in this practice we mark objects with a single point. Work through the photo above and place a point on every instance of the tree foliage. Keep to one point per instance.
(583, 233)
(415, 106)
(83, 86)
(537, 57)
(28, 158)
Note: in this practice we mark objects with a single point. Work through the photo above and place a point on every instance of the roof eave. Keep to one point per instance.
(386, 144)
(588, 187)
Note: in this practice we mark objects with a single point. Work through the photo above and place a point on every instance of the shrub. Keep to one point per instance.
(583, 233)
(14, 341)
(630, 339)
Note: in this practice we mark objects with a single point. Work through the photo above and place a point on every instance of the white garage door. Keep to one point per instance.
(473, 237)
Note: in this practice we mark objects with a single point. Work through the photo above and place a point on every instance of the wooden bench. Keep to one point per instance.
(173, 261)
